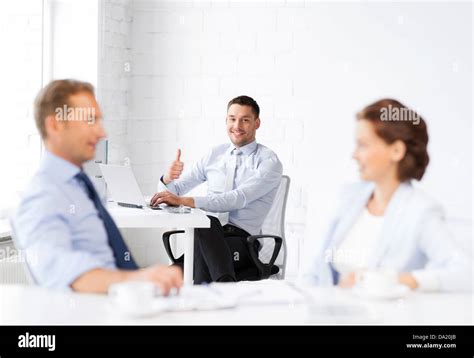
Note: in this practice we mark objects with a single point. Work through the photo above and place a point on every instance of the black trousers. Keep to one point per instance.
(220, 251)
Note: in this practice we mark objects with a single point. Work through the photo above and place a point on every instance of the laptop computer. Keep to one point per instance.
(123, 187)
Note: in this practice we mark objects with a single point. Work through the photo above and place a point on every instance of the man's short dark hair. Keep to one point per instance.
(246, 101)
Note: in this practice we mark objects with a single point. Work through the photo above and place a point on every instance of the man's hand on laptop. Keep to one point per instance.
(166, 197)
(175, 170)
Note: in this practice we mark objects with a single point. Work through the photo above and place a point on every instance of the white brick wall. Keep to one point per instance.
(114, 87)
(114, 75)
(188, 60)
(310, 65)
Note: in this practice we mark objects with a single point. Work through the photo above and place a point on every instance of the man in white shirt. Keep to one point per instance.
(242, 179)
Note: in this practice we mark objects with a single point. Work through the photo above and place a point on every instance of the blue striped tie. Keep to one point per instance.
(123, 257)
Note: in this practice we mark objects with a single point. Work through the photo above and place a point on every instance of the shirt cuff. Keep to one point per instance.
(162, 186)
(171, 187)
(200, 202)
(72, 276)
(63, 274)
(427, 280)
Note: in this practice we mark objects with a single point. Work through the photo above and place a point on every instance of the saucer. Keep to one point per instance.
(393, 292)
(137, 312)
(193, 304)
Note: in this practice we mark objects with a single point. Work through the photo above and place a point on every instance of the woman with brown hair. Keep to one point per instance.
(385, 223)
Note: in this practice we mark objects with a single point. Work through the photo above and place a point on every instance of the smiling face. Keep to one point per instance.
(376, 158)
(242, 124)
(75, 139)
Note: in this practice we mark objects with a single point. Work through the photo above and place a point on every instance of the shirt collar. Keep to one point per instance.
(61, 169)
(246, 149)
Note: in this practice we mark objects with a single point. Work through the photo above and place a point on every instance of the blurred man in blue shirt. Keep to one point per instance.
(61, 224)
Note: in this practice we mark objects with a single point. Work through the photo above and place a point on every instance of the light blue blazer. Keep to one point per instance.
(414, 237)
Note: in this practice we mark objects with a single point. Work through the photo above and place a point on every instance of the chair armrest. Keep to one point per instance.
(264, 269)
(166, 242)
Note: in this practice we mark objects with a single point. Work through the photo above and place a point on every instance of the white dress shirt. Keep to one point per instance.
(257, 177)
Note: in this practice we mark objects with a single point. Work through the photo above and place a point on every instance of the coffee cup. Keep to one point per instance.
(132, 297)
(378, 280)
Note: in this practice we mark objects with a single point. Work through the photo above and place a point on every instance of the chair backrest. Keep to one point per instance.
(274, 224)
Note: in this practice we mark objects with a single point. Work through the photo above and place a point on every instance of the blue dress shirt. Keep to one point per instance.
(58, 227)
(257, 177)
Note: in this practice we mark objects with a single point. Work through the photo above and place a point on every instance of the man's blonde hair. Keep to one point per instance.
(56, 95)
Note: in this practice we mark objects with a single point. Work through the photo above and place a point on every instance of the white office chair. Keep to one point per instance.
(273, 229)
(269, 254)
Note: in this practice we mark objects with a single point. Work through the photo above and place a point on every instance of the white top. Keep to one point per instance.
(415, 238)
(354, 252)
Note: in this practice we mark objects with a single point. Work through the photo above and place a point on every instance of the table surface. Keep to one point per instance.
(148, 218)
(30, 305)
(127, 218)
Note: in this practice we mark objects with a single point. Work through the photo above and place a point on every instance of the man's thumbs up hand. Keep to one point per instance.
(175, 170)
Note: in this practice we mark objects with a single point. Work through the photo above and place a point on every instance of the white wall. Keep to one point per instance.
(311, 66)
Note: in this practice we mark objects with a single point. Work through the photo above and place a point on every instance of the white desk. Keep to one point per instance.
(27, 305)
(147, 218)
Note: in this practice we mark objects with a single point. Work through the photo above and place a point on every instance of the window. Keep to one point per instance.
(41, 40)
(21, 65)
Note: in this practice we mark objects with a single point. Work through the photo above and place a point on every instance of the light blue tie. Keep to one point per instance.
(231, 165)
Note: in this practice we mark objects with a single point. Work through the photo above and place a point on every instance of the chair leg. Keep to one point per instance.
(265, 270)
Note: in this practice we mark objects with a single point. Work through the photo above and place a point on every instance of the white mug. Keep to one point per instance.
(379, 280)
(132, 296)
